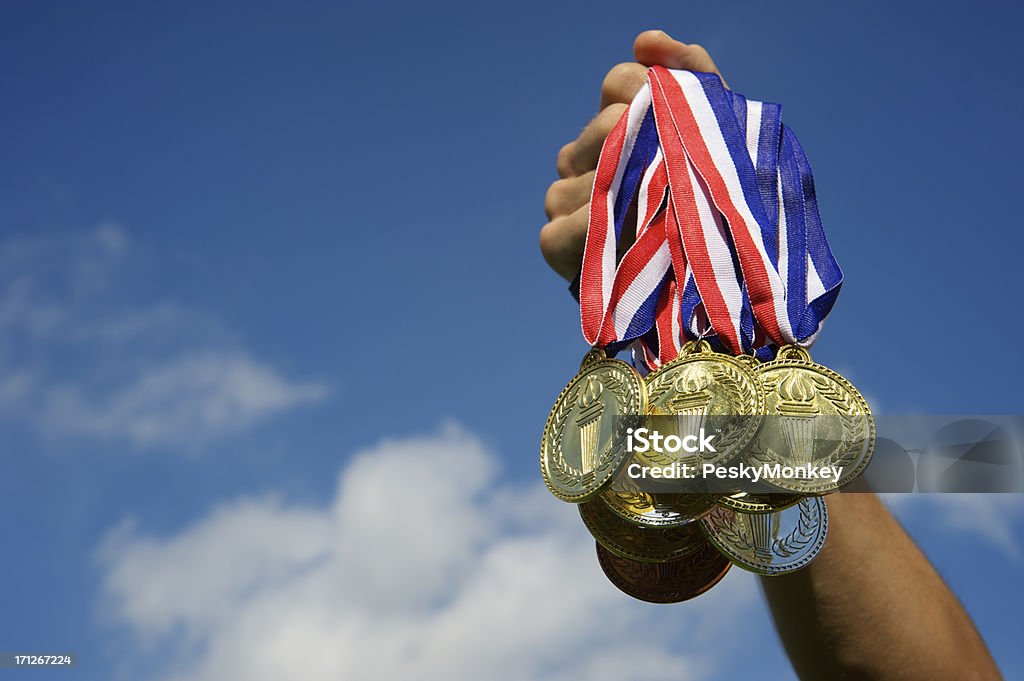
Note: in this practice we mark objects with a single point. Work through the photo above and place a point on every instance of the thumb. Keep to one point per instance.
(658, 48)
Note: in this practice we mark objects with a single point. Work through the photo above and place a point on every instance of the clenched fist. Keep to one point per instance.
(567, 203)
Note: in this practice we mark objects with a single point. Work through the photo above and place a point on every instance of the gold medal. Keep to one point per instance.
(701, 388)
(584, 440)
(815, 418)
(639, 542)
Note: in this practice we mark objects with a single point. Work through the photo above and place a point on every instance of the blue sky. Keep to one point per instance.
(257, 259)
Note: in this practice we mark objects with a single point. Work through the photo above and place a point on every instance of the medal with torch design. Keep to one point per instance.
(728, 281)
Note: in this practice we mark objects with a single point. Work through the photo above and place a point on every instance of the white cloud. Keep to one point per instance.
(423, 566)
(990, 517)
(77, 360)
(214, 577)
(184, 402)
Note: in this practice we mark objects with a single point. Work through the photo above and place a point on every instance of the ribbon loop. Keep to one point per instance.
(729, 243)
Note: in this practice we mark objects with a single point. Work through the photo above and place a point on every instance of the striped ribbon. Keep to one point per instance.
(729, 244)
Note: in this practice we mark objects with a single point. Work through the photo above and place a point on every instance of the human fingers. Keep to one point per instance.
(657, 47)
(567, 195)
(621, 83)
(580, 156)
(562, 241)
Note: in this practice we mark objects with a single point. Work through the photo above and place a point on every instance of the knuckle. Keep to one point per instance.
(609, 116)
(564, 160)
(562, 242)
(553, 200)
(549, 240)
(618, 81)
(702, 57)
(560, 197)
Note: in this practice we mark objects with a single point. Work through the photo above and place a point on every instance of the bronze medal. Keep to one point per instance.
(670, 582)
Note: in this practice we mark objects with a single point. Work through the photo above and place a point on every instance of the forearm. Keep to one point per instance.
(872, 607)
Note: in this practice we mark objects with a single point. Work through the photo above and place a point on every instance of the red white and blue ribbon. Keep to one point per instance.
(729, 244)
(617, 299)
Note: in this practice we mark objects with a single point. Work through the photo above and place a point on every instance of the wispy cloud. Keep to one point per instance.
(993, 518)
(423, 566)
(183, 402)
(77, 359)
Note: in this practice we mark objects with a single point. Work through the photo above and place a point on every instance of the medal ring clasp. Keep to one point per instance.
(793, 352)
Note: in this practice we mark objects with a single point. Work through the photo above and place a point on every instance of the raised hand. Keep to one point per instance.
(567, 203)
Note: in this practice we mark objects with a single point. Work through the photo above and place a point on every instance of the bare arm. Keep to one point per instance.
(871, 606)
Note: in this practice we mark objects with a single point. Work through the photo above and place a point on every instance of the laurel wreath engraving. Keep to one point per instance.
(846, 406)
(640, 508)
(729, 533)
(732, 532)
(802, 534)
